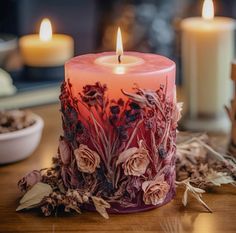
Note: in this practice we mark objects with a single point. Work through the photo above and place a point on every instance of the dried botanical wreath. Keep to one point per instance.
(121, 158)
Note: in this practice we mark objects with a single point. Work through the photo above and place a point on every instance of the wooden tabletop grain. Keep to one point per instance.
(172, 218)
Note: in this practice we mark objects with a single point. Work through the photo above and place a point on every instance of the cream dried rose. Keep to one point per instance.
(155, 191)
(134, 160)
(87, 160)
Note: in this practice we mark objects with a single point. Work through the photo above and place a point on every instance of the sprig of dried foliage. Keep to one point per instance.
(199, 166)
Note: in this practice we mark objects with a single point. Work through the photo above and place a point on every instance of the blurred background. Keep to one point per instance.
(147, 26)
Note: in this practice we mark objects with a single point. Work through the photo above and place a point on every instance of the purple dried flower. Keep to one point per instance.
(121, 102)
(132, 115)
(149, 124)
(134, 105)
(79, 127)
(122, 132)
(162, 152)
(113, 119)
(115, 109)
(93, 94)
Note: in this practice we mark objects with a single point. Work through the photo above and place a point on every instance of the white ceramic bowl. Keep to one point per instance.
(20, 144)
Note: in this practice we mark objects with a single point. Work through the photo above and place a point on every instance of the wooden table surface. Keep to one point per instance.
(193, 218)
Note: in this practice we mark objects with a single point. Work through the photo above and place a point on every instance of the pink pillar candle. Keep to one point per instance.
(146, 70)
(120, 120)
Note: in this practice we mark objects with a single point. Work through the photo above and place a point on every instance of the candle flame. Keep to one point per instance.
(45, 32)
(208, 9)
(119, 44)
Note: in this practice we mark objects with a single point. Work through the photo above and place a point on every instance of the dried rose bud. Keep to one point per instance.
(29, 180)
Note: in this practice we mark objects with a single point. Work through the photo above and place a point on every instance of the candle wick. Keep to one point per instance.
(119, 58)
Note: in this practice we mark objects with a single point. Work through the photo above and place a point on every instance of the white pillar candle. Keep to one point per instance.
(207, 52)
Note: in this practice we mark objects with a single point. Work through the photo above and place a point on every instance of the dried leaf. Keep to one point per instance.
(101, 206)
(199, 199)
(219, 178)
(34, 196)
(64, 151)
(197, 190)
(196, 193)
(135, 97)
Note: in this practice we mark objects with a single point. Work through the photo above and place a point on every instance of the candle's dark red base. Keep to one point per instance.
(117, 209)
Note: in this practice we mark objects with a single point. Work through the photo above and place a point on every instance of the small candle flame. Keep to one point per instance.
(119, 45)
(208, 9)
(45, 32)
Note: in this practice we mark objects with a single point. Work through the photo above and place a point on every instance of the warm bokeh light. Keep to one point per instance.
(119, 44)
(208, 9)
(45, 32)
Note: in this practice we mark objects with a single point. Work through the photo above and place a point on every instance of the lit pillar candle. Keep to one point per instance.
(119, 118)
(145, 70)
(207, 51)
(46, 49)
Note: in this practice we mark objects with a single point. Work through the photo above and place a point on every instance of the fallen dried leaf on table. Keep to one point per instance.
(34, 196)
(200, 165)
(219, 178)
(101, 206)
(195, 192)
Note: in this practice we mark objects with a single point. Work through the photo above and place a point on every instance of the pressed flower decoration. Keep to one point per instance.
(119, 158)
(155, 191)
(86, 159)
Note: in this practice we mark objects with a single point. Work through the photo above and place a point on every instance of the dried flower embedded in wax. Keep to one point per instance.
(111, 158)
(155, 191)
(134, 160)
(93, 94)
(87, 160)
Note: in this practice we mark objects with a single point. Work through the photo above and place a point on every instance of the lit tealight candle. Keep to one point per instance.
(46, 49)
(207, 51)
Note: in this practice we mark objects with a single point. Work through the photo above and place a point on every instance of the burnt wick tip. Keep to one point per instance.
(119, 58)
